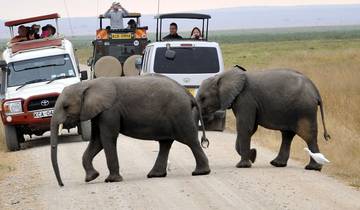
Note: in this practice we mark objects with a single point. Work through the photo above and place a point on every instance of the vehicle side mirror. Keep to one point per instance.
(170, 54)
(84, 75)
(90, 61)
(3, 65)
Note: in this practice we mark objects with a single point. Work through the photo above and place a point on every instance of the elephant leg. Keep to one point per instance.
(159, 169)
(202, 162)
(92, 150)
(313, 165)
(109, 132)
(307, 130)
(242, 146)
(284, 153)
(246, 127)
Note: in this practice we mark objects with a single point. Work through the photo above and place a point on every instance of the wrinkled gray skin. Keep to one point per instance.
(147, 107)
(283, 100)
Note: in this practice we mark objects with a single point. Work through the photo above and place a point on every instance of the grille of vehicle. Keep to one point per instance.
(42, 103)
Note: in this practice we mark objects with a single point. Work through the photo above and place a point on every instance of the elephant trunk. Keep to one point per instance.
(54, 143)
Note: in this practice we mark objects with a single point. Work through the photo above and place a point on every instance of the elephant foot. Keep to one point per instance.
(156, 174)
(252, 155)
(314, 167)
(202, 171)
(244, 164)
(278, 163)
(91, 176)
(114, 178)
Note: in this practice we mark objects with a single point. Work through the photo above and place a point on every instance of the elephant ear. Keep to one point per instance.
(98, 96)
(230, 85)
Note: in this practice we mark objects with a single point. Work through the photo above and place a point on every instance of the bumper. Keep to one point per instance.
(27, 119)
(24, 119)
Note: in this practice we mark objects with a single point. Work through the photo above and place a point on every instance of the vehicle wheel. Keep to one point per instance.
(217, 124)
(84, 129)
(12, 138)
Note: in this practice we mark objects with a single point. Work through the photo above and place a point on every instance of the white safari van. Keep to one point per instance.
(187, 61)
(34, 73)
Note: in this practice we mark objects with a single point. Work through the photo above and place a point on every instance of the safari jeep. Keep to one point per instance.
(34, 73)
(116, 50)
(186, 61)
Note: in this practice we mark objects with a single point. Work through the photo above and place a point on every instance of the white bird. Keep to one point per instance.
(318, 157)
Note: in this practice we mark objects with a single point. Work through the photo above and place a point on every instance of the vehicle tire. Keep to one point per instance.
(130, 66)
(108, 66)
(12, 138)
(84, 129)
(217, 124)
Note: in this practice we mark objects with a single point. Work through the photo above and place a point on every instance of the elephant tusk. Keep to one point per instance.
(60, 129)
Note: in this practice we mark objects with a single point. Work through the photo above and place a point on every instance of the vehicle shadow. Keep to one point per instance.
(44, 140)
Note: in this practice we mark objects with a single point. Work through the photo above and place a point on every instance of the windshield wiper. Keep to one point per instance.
(59, 77)
(43, 66)
(30, 82)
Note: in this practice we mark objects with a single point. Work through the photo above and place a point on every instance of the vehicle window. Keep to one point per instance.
(189, 60)
(45, 68)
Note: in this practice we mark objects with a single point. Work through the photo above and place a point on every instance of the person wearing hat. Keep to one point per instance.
(48, 31)
(116, 13)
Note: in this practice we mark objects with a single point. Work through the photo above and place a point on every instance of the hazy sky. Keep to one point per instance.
(13, 9)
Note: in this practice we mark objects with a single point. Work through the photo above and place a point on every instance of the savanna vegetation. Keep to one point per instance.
(330, 56)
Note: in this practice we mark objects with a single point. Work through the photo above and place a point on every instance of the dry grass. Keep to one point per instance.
(334, 66)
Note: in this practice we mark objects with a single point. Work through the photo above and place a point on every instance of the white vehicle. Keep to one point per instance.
(34, 73)
(187, 61)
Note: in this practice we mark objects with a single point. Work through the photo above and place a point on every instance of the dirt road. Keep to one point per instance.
(33, 185)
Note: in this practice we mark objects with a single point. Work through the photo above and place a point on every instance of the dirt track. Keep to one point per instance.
(33, 184)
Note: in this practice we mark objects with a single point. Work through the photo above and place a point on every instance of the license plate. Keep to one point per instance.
(121, 36)
(44, 113)
(192, 91)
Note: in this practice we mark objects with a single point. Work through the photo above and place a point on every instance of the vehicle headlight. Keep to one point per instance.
(13, 107)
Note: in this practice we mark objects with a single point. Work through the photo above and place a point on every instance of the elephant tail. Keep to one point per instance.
(204, 141)
(326, 134)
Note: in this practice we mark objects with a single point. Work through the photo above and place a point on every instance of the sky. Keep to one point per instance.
(16, 9)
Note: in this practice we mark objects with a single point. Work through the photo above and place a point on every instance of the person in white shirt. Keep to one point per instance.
(116, 13)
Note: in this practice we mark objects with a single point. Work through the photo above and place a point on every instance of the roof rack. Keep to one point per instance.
(204, 17)
(183, 16)
(13, 23)
(32, 19)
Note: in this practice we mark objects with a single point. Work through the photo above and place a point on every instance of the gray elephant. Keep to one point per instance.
(146, 107)
(283, 100)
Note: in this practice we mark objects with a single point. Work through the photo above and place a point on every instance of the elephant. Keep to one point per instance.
(147, 107)
(277, 99)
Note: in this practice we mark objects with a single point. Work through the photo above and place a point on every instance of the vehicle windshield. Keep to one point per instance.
(45, 69)
(188, 60)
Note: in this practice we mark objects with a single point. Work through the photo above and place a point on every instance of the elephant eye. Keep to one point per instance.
(202, 99)
(66, 106)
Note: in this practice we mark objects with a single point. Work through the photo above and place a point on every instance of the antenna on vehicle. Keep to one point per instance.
(158, 9)
(69, 19)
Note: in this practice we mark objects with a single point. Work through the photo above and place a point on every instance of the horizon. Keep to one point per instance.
(69, 10)
(250, 17)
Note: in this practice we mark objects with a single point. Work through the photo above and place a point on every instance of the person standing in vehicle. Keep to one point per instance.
(173, 32)
(22, 31)
(116, 13)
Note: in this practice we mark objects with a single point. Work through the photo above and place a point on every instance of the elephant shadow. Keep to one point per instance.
(44, 140)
